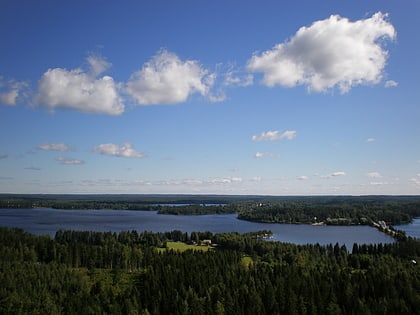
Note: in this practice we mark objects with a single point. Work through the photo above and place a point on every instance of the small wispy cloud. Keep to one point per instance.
(416, 181)
(4, 156)
(53, 147)
(302, 177)
(224, 180)
(274, 135)
(235, 79)
(9, 98)
(68, 161)
(112, 149)
(259, 155)
(335, 174)
(32, 168)
(378, 183)
(391, 83)
(371, 139)
(97, 64)
(374, 175)
(12, 91)
(216, 181)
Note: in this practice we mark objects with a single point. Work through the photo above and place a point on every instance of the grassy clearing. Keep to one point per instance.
(246, 261)
(181, 247)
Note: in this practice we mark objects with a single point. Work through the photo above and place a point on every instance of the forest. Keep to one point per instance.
(333, 210)
(136, 273)
(114, 202)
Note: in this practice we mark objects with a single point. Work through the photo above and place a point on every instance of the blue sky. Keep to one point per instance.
(239, 97)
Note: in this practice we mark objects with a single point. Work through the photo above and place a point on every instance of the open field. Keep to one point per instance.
(182, 247)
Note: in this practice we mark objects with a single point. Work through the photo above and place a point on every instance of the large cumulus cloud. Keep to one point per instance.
(331, 52)
(80, 90)
(166, 79)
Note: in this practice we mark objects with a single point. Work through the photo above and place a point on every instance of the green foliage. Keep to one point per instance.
(194, 204)
(334, 210)
(197, 209)
(182, 247)
(109, 273)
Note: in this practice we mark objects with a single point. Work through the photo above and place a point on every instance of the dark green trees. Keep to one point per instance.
(108, 273)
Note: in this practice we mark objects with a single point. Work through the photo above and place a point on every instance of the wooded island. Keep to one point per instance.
(333, 210)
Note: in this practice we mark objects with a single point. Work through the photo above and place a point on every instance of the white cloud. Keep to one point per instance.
(166, 183)
(378, 183)
(391, 83)
(374, 175)
(331, 52)
(256, 179)
(274, 135)
(11, 91)
(302, 177)
(33, 168)
(10, 97)
(224, 180)
(288, 134)
(166, 79)
(80, 90)
(111, 149)
(97, 65)
(53, 147)
(69, 161)
(370, 139)
(416, 181)
(234, 79)
(192, 182)
(335, 174)
(266, 155)
(216, 98)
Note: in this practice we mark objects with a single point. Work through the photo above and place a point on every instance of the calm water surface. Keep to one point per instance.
(48, 221)
(412, 229)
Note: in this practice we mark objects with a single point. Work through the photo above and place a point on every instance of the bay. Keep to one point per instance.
(46, 221)
(412, 229)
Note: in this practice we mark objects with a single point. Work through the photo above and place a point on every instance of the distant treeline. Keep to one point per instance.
(334, 210)
(111, 202)
(198, 209)
(109, 273)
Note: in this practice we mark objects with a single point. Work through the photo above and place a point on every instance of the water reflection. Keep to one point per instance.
(48, 221)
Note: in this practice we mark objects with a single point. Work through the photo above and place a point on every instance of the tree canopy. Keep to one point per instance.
(125, 273)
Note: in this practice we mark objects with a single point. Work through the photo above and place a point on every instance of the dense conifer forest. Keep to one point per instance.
(135, 273)
(333, 210)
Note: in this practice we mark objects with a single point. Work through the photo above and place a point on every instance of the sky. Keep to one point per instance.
(210, 97)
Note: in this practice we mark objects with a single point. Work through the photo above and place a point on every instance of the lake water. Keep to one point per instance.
(412, 229)
(48, 221)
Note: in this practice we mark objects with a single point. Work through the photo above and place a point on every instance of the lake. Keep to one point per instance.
(46, 221)
(412, 229)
